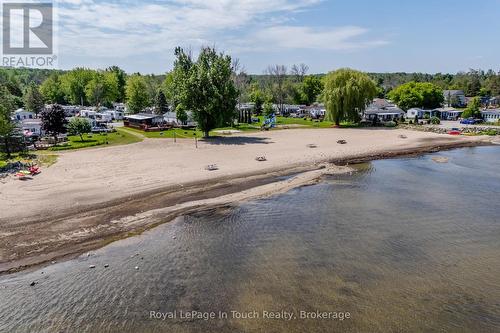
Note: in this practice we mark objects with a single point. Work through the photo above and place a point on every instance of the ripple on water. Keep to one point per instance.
(404, 245)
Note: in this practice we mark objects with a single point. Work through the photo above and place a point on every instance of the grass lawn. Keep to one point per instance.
(42, 158)
(120, 137)
(170, 133)
(284, 121)
(309, 123)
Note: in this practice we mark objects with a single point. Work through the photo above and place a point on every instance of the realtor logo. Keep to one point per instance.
(27, 28)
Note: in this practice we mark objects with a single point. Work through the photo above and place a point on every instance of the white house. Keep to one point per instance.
(171, 118)
(491, 116)
(389, 113)
(21, 114)
(32, 127)
(411, 113)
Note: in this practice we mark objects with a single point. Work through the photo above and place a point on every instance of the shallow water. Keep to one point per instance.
(406, 245)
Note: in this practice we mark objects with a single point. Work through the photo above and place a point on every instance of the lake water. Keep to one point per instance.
(404, 245)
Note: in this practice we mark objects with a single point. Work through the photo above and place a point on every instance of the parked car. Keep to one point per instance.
(471, 121)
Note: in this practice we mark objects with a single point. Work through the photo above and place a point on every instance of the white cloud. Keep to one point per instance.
(110, 29)
(300, 37)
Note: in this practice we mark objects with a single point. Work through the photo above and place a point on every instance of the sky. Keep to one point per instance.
(378, 36)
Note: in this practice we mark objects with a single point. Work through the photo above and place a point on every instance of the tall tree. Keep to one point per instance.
(74, 83)
(102, 89)
(347, 92)
(8, 128)
(52, 90)
(208, 91)
(277, 75)
(473, 109)
(33, 99)
(299, 72)
(417, 94)
(137, 95)
(311, 87)
(121, 79)
(161, 106)
(54, 121)
(257, 97)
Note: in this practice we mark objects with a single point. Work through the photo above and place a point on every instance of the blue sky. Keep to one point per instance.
(381, 36)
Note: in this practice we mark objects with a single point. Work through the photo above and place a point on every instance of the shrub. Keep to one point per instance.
(390, 124)
(435, 121)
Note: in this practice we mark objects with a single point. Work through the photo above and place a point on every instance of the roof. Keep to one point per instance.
(384, 111)
(448, 110)
(143, 116)
(31, 121)
(453, 92)
(493, 111)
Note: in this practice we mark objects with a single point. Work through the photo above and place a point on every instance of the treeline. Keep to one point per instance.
(278, 84)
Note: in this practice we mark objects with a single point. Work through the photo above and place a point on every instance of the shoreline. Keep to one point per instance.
(68, 233)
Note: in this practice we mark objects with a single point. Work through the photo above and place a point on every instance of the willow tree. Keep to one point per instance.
(346, 94)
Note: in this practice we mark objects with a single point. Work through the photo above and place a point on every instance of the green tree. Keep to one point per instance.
(473, 109)
(33, 99)
(52, 91)
(121, 80)
(311, 87)
(417, 94)
(79, 126)
(268, 109)
(257, 97)
(347, 92)
(74, 85)
(181, 114)
(8, 128)
(54, 121)
(161, 106)
(102, 89)
(137, 96)
(208, 91)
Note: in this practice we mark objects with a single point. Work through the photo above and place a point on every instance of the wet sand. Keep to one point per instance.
(92, 197)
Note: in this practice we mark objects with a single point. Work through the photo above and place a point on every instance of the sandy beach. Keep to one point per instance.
(90, 197)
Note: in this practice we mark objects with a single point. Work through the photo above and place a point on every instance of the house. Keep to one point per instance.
(491, 116)
(143, 120)
(21, 114)
(447, 113)
(454, 98)
(383, 114)
(494, 101)
(381, 103)
(171, 118)
(415, 112)
(32, 127)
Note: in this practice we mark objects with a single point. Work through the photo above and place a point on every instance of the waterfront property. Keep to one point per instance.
(143, 121)
(447, 113)
(384, 111)
(491, 116)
